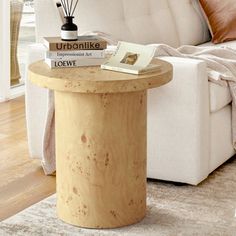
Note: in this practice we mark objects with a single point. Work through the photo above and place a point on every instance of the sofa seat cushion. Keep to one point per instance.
(230, 44)
(220, 96)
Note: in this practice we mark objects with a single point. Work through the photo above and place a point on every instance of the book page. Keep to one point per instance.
(131, 56)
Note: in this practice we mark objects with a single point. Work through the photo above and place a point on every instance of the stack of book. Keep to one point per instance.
(86, 51)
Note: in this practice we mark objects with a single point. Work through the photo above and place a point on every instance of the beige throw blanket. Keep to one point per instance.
(221, 69)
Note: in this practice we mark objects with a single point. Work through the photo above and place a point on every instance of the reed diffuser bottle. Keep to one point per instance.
(69, 31)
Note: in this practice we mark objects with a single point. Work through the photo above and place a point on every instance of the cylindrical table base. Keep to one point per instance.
(101, 158)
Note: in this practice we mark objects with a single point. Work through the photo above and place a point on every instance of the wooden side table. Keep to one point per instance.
(101, 119)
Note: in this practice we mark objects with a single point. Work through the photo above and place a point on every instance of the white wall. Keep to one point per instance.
(4, 50)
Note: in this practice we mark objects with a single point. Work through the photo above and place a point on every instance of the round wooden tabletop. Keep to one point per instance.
(95, 80)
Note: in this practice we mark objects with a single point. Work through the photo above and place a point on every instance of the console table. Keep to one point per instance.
(100, 119)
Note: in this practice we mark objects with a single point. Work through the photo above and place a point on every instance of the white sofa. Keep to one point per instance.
(189, 119)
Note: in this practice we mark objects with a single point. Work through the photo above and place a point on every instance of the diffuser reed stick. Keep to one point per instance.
(75, 7)
(69, 6)
(64, 8)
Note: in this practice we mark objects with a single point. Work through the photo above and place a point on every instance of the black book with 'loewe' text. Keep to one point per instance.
(83, 43)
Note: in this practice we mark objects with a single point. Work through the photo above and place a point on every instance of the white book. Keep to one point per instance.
(71, 55)
(136, 71)
(132, 58)
(74, 63)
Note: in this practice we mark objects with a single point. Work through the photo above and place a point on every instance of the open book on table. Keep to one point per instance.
(132, 58)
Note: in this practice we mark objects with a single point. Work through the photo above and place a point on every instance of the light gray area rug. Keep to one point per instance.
(208, 209)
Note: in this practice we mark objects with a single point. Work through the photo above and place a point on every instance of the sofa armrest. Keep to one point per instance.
(36, 101)
(178, 124)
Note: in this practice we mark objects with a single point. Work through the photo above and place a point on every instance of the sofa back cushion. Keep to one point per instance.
(190, 22)
(141, 21)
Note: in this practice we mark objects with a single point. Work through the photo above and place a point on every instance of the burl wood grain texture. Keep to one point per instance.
(100, 142)
(95, 80)
(101, 158)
